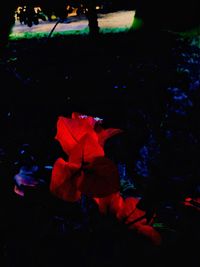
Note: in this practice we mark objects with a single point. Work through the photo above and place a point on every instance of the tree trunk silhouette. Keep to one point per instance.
(92, 17)
(6, 23)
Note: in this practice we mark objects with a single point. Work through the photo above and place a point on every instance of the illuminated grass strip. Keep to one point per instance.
(38, 35)
(114, 30)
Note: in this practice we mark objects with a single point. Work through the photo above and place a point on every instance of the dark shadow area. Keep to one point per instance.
(144, 82)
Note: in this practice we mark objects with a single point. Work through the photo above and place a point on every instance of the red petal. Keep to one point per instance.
(92, 149)
(88, 119)
(117, 205)
(76, 154)
(103, 135)
(79, 127)
(136, 217)
(76, 115)
(112, 204)
(64, 135)
(63, 181)
(100, 178)
(149, 232)
(86, 150)
(130, 205)
(70, 131)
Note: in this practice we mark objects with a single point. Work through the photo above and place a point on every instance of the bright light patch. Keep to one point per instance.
(97, 119)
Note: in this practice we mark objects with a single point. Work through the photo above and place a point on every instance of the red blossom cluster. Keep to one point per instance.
(88, 171)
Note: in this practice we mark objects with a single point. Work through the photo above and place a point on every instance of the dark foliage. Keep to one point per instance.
(146, 83)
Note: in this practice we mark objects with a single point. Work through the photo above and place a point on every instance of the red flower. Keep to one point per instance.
(126, 211)
(100, 178)
(111, 205)
(149, 232)
(64, 179)
(70, 131)
(87, 171)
